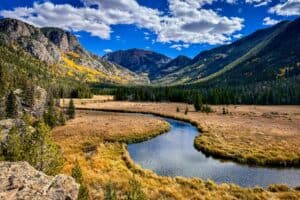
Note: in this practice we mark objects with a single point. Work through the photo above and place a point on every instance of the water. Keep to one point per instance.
(173, 154)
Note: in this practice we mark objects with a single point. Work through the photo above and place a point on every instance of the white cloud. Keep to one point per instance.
(231, 1)
(238, 36)
(107, 50)
(179, 47)
(186, 22)
(258, 3)
(289, 8)
(269, 21)
(118, 37)
(147, 38)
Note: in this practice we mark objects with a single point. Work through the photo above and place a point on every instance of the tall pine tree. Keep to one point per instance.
(11, 106)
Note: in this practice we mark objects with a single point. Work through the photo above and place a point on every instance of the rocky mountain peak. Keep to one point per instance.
(16, 28)
(64, 40)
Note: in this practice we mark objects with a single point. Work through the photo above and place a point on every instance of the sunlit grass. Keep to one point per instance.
(84, 139)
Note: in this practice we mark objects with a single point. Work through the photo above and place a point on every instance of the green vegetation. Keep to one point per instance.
(18, 67)
(11, 106)
(34, 146)
(71, 110)
(278, 92)
(77, 175)
(110, 192)
(136, 192)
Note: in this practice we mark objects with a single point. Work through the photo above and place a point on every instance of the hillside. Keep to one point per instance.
(139, 61)
(265, 55)
(62, 51)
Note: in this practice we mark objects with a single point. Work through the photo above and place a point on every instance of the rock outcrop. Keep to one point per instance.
(19, 180)
(51, 45)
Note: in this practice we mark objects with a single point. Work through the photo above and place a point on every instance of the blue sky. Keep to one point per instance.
(171, 27)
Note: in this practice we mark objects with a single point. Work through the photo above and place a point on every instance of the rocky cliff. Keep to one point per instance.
(62, 49)
(19, 180)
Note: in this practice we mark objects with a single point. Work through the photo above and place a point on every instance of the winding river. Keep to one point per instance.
(173, 154)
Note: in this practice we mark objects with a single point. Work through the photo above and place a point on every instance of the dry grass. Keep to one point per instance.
(102, 162)
(261, 135)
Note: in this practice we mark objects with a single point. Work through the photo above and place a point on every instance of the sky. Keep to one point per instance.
(170, 27)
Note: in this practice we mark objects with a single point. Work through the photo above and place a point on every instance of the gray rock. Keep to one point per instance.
(40, 101)
(19, 180)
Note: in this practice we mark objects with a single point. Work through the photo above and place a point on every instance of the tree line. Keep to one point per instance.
(286, 92)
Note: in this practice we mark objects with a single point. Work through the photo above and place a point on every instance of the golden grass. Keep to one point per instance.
(102, 162)
(260, 135)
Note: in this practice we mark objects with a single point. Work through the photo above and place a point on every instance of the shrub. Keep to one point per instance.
(110, 193)
(136, 192)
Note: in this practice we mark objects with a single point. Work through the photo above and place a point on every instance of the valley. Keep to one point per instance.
(136, 124)
(260, 125)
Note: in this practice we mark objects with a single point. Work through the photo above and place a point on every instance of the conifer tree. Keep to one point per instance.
(45, 154)
(14, 149)
(77, 175)
(11, 106)
(186, 110)
(198, 102)
(29, 92)
(71, 110)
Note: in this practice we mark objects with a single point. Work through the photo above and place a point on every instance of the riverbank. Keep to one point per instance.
(109, 162)
(256, 135)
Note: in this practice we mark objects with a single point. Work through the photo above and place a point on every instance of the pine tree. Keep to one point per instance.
(50, 117)
(110, 193)
(29, 92)
(198, 102)
(186, 110)
(45, 154)
(14, 149)
(62, 119)
(71, 110)
(11, 106)
(77, 175)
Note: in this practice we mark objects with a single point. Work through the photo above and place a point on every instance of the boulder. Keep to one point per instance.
(19, 180)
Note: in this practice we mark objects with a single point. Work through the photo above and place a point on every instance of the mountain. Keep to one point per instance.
(175, 64)
(62, 51)
(139, 61)
(267, 54)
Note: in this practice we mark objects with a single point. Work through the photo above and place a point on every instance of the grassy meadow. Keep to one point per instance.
(98, 141)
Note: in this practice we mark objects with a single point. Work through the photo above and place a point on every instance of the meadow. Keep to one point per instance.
(98, 141)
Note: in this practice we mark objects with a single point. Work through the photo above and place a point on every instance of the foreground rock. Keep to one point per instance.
(19, 180)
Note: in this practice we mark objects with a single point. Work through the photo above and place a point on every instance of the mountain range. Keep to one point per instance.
(264, 55)
(62, 51)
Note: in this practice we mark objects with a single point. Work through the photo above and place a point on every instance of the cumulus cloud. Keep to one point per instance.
(269, 21)
(107, 50)
(288, 8)
(258, 3)
(179, 47)
(186, 22)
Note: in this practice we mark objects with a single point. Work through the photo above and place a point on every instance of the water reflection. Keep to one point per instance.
(173, 154)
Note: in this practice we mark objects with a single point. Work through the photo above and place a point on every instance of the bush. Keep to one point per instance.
(110, 193)
(136, 192)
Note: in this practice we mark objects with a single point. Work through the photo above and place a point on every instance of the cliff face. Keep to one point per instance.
(18, 34)
(18, 180)
(61, 48)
